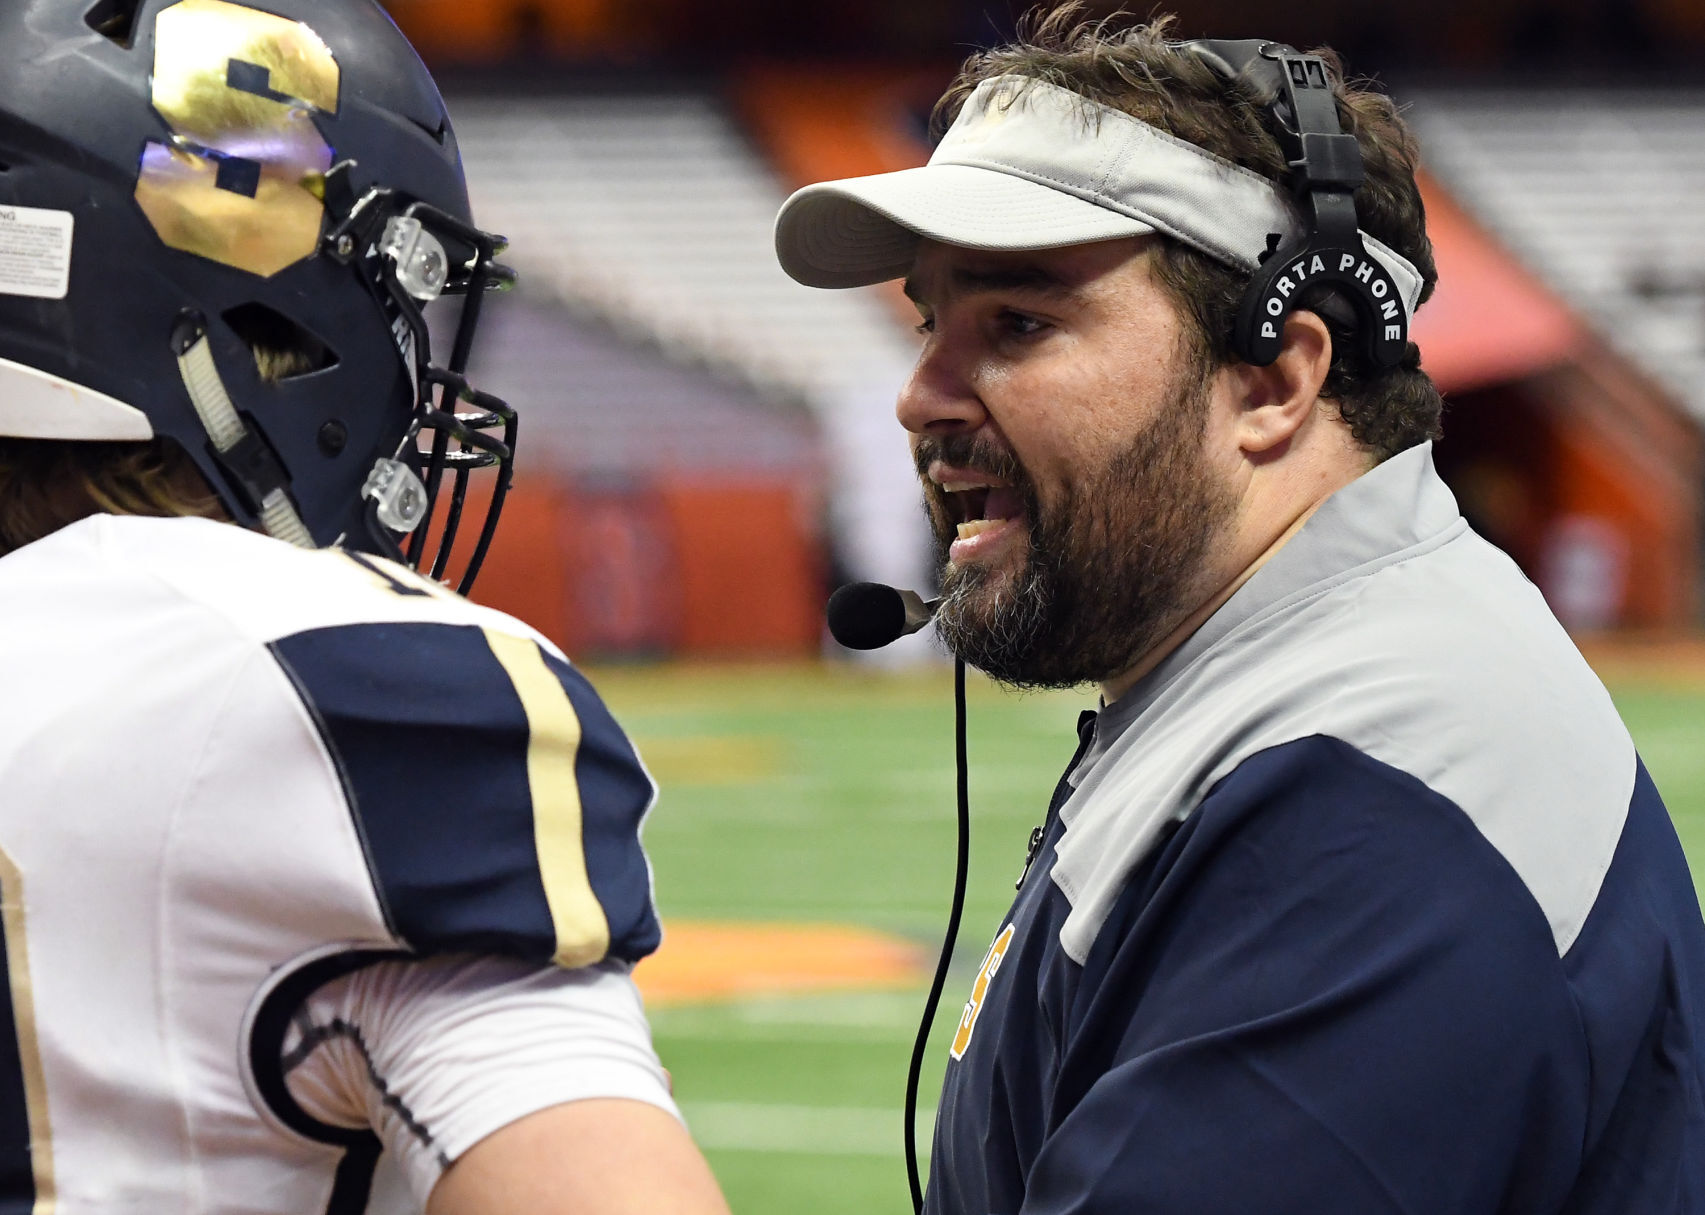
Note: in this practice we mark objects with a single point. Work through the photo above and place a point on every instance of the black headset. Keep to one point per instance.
(1325, 169)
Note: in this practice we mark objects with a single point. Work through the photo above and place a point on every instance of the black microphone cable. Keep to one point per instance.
(867, 616)
(961, 869)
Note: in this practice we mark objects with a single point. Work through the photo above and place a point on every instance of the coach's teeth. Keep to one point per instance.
(975, 527)
(959, 487)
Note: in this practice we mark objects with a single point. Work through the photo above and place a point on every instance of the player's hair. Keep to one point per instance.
(46, 484)
(1140, 70)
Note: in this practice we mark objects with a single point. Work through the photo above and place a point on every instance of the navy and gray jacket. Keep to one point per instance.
(1361, 902)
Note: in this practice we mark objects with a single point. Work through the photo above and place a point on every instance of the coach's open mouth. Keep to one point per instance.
(975, 503)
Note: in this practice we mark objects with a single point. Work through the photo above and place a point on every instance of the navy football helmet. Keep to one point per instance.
(183, 182)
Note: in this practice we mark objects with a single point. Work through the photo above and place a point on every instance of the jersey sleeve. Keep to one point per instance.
(434, 1055)
(497, 802)
(1326, 994)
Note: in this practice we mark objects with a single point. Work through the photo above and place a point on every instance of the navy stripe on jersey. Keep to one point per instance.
(431, 738)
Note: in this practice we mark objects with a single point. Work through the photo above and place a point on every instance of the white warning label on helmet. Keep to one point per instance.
(35, 252)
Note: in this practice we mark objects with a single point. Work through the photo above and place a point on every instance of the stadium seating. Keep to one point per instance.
(653, 213)
(1598, 191)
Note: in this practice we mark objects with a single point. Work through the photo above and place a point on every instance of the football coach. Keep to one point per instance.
(1355, 897)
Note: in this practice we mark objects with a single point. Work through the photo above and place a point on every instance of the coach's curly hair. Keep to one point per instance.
(1140, 70)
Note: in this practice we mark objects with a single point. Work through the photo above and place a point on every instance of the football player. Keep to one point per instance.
(320, 884)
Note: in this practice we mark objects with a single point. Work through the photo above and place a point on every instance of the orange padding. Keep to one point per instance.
(818, 125)
(466, 31)
(677, 567)
(703, 961)
(455, 28)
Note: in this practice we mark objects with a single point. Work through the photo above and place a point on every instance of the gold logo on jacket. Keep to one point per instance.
(980, 989)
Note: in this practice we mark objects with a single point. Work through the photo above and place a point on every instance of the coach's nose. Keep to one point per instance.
(940, 397)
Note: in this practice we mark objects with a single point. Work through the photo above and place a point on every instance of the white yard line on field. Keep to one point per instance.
(738, 1126)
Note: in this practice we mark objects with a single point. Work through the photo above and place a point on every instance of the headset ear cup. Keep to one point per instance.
(1301, 111)
(1279, 286)
(1259, 332)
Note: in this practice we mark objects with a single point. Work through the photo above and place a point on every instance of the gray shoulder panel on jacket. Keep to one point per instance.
(1389, 625)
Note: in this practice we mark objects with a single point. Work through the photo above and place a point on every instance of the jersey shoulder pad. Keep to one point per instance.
(497, 800)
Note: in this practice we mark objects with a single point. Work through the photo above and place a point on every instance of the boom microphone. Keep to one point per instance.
(868, 615)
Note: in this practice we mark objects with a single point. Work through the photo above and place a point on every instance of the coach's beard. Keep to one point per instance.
(1108, 572)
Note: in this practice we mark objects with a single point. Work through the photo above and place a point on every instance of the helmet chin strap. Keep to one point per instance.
(240, 452)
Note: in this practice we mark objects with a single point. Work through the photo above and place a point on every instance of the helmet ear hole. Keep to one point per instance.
(282, 348)
(436, 131)
(115, 19)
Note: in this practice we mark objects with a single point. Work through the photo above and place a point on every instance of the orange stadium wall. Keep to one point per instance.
(677, 567)
(1559, 448)
(486, 31)
(1555, 486)
(1479, 36)
(1592, 486)
(455, 28)
(1621, 457)
(747, 568)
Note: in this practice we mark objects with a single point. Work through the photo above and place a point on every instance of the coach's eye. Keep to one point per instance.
(1021, 324)
(927, 325)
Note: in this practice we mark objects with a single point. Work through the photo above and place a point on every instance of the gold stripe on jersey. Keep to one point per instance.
(24, 1021)
(553, 740)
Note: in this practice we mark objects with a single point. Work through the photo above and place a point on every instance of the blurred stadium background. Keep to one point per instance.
(707, 449)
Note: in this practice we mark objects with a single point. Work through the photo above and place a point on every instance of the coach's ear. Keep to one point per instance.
(1280, 398)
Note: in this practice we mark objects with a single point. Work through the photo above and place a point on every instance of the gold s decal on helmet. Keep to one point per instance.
(241, 180)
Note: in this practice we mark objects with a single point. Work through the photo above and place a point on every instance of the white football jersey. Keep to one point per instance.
(232, 773)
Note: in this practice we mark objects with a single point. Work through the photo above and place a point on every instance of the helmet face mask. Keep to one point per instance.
(239, 183)
(413, 254)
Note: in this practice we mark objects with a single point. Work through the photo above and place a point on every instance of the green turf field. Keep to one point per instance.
(826, 794)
